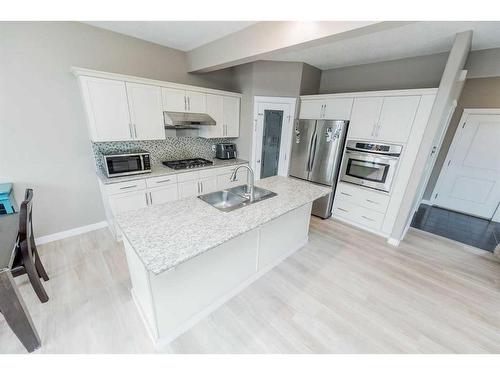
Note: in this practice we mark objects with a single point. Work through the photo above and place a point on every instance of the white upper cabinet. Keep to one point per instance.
(311, 109)
(338, 109)
(145, 106)
(107, 109)
(364, 117)
(177, 100)
(231, 106)
(215, 109)
(396, 118)
(225, 110)
(328, 109)
(383, 118)
(174, 100)
(196, 102)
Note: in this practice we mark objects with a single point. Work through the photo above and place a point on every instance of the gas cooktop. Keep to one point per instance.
(187, 163)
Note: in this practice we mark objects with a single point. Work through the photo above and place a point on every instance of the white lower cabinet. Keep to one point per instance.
(361, 206)
(132, 195)
(128, 201)
(163, 194)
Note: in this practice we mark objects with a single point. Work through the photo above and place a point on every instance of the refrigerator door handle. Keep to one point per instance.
(313, 150)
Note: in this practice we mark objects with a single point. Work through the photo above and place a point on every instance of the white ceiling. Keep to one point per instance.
(416, 39)
(183, 35)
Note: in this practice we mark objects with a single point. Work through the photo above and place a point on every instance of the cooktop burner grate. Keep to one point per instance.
(187, 163)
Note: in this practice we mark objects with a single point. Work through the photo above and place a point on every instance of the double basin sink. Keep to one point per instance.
(236, 197)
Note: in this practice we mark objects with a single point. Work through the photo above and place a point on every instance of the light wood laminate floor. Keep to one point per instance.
(347, 291)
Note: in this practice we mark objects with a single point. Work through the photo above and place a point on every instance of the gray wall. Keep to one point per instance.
(477, 93)
(45, 144)
(483, 63)
(409, 73)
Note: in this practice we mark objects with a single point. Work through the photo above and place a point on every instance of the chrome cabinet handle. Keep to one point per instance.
(370, 201)
(341, 209)
(147, 202)
(324, 111)
(201, 186)
(185, 103)
(189, 103)
(150, 198)
(128, 187)
(160, 181)
(349, 195)
(367, 218)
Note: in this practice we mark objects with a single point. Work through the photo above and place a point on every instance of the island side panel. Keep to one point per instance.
(192, 290)
(141, 289)
(283, 236)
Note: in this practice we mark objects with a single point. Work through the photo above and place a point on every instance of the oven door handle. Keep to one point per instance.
(366, 155)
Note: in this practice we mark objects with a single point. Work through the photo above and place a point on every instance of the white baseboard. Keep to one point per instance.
(160, 343)
(393, 241)
(359, 226)
(70, 232)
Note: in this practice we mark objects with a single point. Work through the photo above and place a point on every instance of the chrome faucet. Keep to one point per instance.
(250, 184)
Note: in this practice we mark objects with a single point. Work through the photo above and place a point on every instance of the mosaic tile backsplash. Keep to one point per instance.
(161, 150)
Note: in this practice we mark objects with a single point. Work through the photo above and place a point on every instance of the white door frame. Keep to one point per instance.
(465, 115)
(286, 131)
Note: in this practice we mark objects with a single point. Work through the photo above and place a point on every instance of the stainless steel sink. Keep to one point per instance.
(234, 198)
(258, 193)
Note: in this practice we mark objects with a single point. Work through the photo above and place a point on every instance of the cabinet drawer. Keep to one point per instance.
(363, 197)
(360, 215)
(188, 176)
(209, 172)
(161, 181)
(124, 187)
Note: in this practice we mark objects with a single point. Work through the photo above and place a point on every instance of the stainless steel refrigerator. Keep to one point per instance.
(316, 156)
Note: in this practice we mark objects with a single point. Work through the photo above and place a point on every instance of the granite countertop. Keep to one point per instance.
(161, 170)
(169, 234)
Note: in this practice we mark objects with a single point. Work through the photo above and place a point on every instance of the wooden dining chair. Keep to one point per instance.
(27, 260)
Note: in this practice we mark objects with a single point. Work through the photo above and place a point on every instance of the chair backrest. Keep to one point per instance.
(25, 218)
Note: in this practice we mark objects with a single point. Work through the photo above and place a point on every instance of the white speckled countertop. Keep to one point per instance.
(169, 234)
(161, 170)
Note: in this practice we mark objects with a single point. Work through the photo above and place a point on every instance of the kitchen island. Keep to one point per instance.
(186, 258)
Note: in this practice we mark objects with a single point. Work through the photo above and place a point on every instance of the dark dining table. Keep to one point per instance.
(12, 305)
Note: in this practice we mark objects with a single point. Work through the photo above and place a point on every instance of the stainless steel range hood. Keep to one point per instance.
(183, 120)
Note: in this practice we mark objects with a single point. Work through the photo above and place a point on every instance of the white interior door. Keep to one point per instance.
(470, 179)
(270, 144)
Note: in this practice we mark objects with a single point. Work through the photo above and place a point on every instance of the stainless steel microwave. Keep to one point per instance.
(372, 165)
(127, 163)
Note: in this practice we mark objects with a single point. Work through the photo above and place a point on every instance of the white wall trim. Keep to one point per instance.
(427, 202)
(481, 111)
(70, 233)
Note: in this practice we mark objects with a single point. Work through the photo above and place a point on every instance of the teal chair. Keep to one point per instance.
(6, 199)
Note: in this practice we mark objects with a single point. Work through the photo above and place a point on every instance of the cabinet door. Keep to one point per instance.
(396, 119)
(163, 194)
(338, 109)
(196, 102)
(208, 185)
(145, 111)
(231, 106)
(174, 100)
(127, 201)
(311, 109)
(364, 117)
(188, 189)
(215, 109)
(107, 109)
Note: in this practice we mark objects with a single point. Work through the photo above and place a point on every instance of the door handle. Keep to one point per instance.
(315, 142)
(189, 103)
